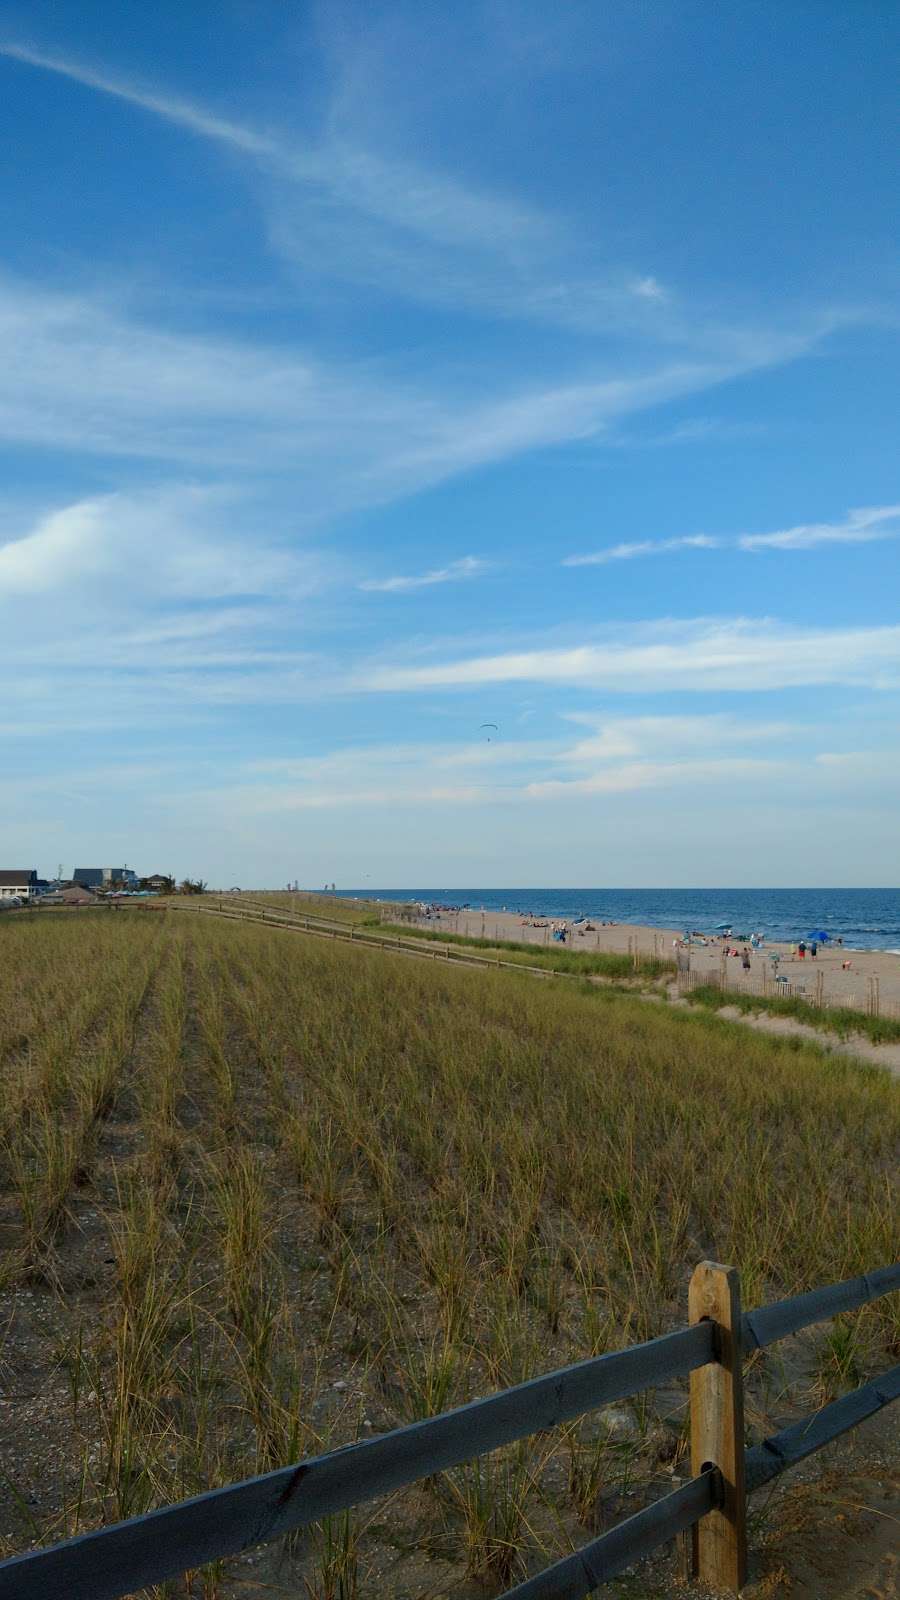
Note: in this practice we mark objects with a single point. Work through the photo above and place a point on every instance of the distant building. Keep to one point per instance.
(89, 877)
(19, 884)
(104, 877)
(72, 894)
(157, 881)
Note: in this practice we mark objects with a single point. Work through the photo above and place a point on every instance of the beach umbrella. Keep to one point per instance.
(820, 937)
(725, 927)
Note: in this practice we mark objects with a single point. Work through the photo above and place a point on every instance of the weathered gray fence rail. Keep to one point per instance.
(115, 1561)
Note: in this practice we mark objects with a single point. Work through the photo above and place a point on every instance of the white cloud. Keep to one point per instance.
(643, 547)
(859, 527)
(618, 737)
(864, 526)
(78, 374)
(636, 775)
(183, 112)
(174, 543)
(466, 567)
(346, 209)
(723, 656)
(648, 288)
(626, 754)
(340, 209)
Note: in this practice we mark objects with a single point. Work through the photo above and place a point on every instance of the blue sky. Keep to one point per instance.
(370, 373)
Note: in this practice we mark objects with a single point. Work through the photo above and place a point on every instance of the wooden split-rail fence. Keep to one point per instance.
(244, 909)
(150, 1549)
(785, 988)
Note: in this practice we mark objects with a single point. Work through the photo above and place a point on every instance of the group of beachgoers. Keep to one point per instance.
(562, 931)
(742, 946)
(433, 911)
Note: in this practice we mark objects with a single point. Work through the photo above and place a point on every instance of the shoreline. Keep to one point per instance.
(847, 974)
(868, 920)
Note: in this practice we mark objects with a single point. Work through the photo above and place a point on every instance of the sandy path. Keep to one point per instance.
(856, 1045)
(833, 1532)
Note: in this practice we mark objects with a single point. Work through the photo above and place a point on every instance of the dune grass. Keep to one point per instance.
(279, 1194)
(373, 916)
(355, 913)
(554, 958)
(841, 1020)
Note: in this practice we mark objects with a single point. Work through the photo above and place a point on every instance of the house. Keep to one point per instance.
(104, 877)
(19, 884)
(72, 894)
(158, 882)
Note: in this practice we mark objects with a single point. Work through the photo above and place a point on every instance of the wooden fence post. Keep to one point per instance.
(717, 1428)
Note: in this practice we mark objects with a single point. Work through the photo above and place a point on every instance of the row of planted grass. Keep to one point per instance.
(841, 1020)
(338, 1193)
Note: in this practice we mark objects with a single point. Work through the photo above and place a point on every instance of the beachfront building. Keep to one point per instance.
(88, 877)
(72, 894)
(19, 884)
(104, 877)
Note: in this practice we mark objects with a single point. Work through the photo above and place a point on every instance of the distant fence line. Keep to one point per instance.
(244, 908)
(149, 1549)
(688, 978)
(324, 927)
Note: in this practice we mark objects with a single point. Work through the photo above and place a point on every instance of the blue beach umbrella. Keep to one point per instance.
(820, 937)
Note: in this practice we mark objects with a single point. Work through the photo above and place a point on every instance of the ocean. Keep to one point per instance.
(866, 919)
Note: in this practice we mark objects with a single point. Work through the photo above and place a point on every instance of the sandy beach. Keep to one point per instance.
(842, 984)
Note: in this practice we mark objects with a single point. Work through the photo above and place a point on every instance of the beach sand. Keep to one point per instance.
(841, 987)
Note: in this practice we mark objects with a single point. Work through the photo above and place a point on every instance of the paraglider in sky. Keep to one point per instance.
(490, 726)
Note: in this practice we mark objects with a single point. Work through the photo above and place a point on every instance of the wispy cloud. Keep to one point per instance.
(864, 526)
(648, 288)
(82, 375)
(643, 547)
(636, 775)
(737, 655)
(617, 737)
(379, 213)
(341, 207)
(626, 756)
(466, 567)
(173, 109)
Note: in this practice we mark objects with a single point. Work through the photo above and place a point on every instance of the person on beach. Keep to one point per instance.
(801, 950)
(745, 960)
(814, 949)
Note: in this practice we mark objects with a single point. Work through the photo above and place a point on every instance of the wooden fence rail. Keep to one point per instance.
(115, 1561)
(425, 949)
